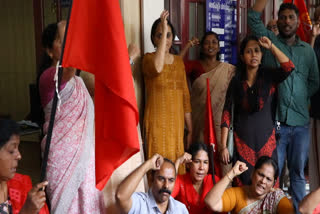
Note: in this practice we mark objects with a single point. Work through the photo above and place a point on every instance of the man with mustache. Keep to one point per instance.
(293, 94)
(158, 199)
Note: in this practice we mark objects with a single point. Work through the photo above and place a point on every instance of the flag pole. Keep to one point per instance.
(211, 157)
(53, 112)
(208, 135)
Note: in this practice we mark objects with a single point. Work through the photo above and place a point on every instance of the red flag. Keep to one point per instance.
(95, 42)
(305, 26)
(209, 132)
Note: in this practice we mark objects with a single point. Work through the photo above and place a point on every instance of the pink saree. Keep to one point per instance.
(71, 166)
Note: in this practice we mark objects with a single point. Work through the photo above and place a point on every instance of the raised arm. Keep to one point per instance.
(310, 202)
(185, 158)
(130, 183)
(188, 122)
(255, 23)
(315, 33)
(259, 5)
(286, 65)
(194, 41)
(214, 196)
(161, 49)
(267, 44)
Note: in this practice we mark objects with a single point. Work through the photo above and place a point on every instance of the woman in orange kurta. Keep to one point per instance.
(168, 100)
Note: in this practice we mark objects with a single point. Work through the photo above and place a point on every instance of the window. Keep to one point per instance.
(188, 18)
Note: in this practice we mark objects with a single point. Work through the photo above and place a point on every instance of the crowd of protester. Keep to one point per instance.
(265, 98)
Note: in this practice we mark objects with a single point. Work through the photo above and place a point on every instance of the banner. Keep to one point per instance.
(221, 18)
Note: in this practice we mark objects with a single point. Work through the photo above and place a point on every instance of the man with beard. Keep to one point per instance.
(158, 199)
(293, 94)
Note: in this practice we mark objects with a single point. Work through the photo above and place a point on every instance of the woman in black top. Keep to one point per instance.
(253, 91)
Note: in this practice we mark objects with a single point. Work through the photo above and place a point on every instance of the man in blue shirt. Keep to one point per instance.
(294, 93)
(158, 199)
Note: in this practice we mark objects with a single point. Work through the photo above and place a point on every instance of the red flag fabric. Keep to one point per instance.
(210, 133)
(95, 42)
(305, 26)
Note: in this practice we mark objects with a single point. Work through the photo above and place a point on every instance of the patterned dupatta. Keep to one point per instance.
(267, 205)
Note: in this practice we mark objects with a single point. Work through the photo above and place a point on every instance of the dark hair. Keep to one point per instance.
(154, 28)
(245, 41)
(49, 34)
(208, 33)
(236, 83)
(241, 66)
(7, 129)
(168, 161)
(267, 160)
(288, 6)
(196, 147)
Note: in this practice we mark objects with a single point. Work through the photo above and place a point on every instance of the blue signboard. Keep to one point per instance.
(221, 18)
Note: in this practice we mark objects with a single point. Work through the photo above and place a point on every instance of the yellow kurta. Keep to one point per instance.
(167, 100)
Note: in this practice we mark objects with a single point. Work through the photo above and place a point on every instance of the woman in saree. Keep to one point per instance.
(167, 96)
(209, 57)
(219, 75)
(71, 162)
(192, 187)
(252, 92)
(257, 198)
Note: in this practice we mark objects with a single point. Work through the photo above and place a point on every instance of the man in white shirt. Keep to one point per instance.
(158, 199)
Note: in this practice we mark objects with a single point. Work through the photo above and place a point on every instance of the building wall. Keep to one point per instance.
(17, 57)
(151, 11)
(130, 10)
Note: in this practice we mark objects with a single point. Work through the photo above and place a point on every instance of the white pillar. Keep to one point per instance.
(151, 11)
